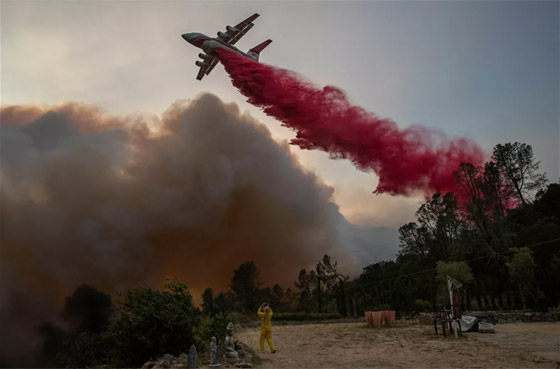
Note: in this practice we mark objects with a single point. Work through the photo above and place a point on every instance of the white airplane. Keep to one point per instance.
(225, 41)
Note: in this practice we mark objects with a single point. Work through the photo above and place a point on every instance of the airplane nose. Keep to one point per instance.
(187, 37)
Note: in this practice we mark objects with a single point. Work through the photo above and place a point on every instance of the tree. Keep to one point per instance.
(88, 310)
(153, 323)
(333, 282)
(554, 279)
(440, 219)
(289, 300)
(244, 284)
(306, 283)
(276, 296)
(521, 268)
(516, 164)
(208, 301)
(84, 350)
(411, 241)
(498, 197)
(479, 199)
(554, 267)
(88, 313)
(458, 270)
(224, 302)
(472, 196)
(548, 201)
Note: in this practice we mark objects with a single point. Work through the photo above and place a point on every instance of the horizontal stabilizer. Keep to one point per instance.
(260, 47)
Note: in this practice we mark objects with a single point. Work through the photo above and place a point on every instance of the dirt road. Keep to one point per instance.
(354, 345)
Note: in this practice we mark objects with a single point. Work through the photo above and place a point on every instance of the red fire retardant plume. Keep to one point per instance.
(410, 161)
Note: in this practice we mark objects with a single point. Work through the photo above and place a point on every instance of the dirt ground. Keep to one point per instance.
(542, 339)
(354, 345)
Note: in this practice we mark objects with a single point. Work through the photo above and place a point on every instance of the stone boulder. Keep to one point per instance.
(168, 361)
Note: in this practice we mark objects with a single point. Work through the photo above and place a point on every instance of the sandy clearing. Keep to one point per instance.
(541, 339)
(354, 345)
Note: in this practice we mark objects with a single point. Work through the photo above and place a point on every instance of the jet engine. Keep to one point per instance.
(203, 56)
(232, 29)
(199, 63)
(224, 35)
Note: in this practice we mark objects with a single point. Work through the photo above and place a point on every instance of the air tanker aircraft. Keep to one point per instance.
(225, 41)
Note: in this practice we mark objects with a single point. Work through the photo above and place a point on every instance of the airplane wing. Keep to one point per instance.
(206, 67)
(234, 34)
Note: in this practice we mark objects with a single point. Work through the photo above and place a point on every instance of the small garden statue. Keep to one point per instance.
(214, 354)
(192, 357)
(230, 353)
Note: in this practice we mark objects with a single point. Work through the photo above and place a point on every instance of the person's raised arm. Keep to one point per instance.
(260, 313)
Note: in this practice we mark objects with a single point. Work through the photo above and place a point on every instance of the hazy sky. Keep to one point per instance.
(485, 70)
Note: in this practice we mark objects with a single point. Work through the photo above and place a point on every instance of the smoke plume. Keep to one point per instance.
(410, 161)
(89, 198)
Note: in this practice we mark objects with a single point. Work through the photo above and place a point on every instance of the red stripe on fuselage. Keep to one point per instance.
(201, 40)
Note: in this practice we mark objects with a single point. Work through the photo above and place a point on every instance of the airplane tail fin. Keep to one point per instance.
(255, 52)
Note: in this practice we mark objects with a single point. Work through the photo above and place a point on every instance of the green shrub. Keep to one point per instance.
(217, 326)
(458, 270)
(153, 323)
(86, 349)
(422, 305)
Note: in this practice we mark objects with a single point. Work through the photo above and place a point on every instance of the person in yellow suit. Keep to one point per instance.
(265, 313)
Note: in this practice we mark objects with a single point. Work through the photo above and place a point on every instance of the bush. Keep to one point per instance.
(153, 323)
(305, 316)
(422, 305)
(86, 349)
(217, 327)
(458, 270)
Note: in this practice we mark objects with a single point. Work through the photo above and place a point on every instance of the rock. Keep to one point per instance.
(231, 359)
(168, 361)
(167, 358)
(149, 365)
(485, 327)
(180, 363)
(243, 364)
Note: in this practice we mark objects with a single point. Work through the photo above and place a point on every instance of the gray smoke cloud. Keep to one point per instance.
(91, 198)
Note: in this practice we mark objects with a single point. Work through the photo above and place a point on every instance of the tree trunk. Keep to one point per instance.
(485, 295)
(477, 291)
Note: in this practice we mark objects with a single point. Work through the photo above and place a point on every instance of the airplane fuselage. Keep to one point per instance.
(210, 44)
(224, 41)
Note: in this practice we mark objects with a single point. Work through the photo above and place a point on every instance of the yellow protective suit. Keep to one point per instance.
(266, 331)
